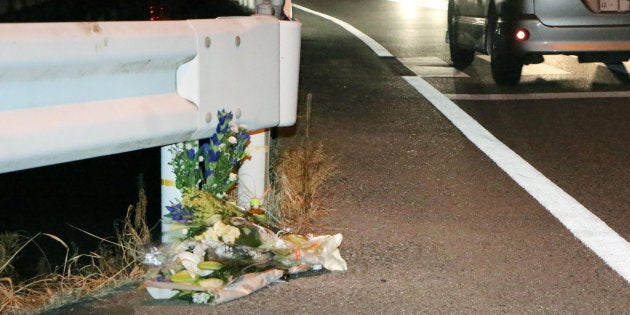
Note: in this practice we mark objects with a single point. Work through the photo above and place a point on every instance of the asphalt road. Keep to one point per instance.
(431, 224)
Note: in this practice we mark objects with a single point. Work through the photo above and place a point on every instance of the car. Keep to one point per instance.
(520, 32)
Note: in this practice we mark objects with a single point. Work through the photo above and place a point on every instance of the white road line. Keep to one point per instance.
(375, 46)
(613, 249)
(587, 227)
(534, 69)
(431, 4)
(431, 67)
(537, 96)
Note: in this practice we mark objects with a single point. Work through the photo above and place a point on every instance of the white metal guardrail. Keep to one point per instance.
(71, 91)
(279, 7)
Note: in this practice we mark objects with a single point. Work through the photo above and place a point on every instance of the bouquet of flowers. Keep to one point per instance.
(219, 251)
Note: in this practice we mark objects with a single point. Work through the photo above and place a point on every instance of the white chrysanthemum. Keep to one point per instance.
(233, 127)
(210, 235)
(233, 177)
(232, 140)
(200, 298)
(228, 233)
(231, 236)
(220, 228)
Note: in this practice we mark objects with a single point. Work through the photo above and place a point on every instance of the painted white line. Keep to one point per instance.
(437, 72)
(613, 249)
(535, 69)
(424, 61)
(431, 4)
(431, 67)
(537, 96)
(375, 46)
(587, 227)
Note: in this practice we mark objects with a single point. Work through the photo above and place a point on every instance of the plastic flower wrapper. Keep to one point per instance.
(219, 251)
(209, 263)
(320, 250)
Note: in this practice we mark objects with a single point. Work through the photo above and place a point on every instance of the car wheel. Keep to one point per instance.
(460, 57)
(506, 68)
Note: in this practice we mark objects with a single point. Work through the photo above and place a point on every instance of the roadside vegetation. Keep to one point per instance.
(294, 201)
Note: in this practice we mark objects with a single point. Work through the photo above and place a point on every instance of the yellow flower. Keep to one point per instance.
(228, 233)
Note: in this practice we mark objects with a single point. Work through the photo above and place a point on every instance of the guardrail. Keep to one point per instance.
(278, 8)
(71, 91)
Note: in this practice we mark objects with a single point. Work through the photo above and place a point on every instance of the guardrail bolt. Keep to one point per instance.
(208, 41)
(208, 117)
(237, 40)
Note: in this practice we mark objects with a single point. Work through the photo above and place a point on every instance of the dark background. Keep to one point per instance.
(123, 10)
(92, 194)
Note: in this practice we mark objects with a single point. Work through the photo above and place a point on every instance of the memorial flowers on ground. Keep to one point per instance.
(220, 251)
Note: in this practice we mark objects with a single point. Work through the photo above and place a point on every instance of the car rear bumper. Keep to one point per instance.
(598, 40)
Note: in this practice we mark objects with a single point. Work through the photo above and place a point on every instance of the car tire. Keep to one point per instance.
(506, 68)
(461, 57)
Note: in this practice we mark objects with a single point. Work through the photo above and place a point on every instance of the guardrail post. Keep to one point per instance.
(253, 176)
(170, 193)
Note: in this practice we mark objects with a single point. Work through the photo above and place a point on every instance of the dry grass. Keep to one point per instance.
(295, 198)
(114, 263)
(293, 201)
(299, 177)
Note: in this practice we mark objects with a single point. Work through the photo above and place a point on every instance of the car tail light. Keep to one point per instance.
(521, 35)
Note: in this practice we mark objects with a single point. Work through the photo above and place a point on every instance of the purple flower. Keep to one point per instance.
(215, 140)
(175, 208)
(204, 147)
(243, 136)
(222, 128)
(179, 214)
(191, 154)
(213, 156)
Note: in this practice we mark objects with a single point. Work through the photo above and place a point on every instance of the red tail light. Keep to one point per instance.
(521, 35)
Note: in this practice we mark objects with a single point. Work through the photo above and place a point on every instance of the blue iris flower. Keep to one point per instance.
(243, 136)
(213, 156)
(215, 140)
(175, 208)
(191, 154)
(222, 128)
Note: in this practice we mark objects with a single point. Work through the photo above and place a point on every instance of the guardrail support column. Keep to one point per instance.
(253, 176)
(170, 193)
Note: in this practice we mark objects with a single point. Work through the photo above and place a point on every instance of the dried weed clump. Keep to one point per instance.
(293, 201)
(299, 176)
(115, 263)
(300, 172)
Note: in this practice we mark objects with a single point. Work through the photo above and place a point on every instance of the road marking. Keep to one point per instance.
(613, 249)
(537, 96)
(431, 4)
(431, 67)
(535, 69)
(587, 227)
(378, 49)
